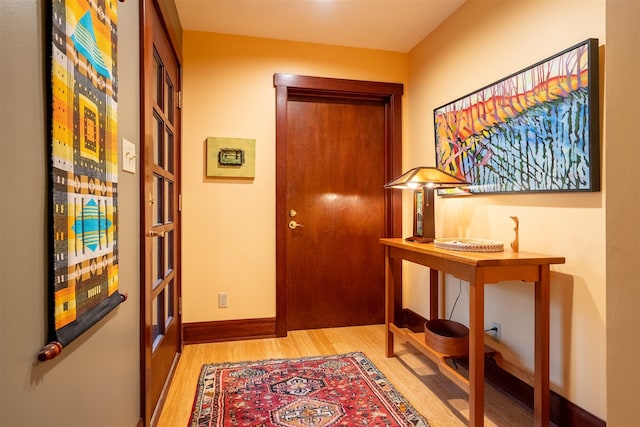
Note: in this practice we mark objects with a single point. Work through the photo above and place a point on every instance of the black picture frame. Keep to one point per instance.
(536, 130)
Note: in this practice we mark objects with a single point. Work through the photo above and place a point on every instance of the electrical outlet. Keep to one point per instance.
(223, 300)
(496, 330)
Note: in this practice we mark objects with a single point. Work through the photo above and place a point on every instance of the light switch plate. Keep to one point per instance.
(128, 156)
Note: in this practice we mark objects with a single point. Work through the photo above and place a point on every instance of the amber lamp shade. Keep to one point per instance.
(423, 181)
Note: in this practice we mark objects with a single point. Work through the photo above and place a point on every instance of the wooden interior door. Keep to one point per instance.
(161, 317)
(336, 145)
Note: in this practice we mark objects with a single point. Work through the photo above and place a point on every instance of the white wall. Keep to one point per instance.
(481, 43)
(95, 380)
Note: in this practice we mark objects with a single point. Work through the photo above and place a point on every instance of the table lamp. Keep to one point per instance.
(423, 180)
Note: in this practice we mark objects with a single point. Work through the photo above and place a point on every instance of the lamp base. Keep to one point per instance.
(420, 239)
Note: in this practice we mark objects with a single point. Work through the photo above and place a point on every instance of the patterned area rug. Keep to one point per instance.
(341, 390)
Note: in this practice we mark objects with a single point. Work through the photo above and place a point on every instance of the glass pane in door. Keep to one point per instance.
(157, 329)
(169, 305)
(158, 141)
(169, 200)
(161, 260)
(157, 79)
(157, 200)
(168, 254)
(169, 147)
(168, 96)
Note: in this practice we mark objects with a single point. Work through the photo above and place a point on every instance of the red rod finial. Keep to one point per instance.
(50, 351)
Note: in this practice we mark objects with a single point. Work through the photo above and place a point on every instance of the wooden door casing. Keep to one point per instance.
(356, 246)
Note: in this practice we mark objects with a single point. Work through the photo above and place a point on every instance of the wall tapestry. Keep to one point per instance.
(534, 131)
(83, 280)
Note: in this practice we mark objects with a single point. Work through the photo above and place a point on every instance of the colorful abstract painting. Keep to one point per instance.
(83, 285)
(534, 131)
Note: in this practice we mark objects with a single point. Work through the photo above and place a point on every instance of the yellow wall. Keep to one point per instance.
(481, 43)
(622, 106)
(229, 226)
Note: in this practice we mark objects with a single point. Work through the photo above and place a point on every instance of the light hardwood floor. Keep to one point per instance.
(439, 400)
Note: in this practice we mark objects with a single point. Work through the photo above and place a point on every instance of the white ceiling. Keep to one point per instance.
(394, 25)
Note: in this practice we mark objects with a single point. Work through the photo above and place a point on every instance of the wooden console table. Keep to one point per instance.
(477, 268)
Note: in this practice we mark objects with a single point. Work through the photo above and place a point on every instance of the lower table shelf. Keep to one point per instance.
(417, 340)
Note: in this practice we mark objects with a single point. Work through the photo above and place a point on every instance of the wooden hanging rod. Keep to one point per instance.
(54, 348)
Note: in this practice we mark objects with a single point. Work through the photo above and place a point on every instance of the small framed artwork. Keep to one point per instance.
(533, 131)
(231, 157)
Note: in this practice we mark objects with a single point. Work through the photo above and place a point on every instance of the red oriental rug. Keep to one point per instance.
(341, 390)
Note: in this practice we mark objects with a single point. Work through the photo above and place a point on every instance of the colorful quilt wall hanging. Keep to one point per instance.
(83, 170)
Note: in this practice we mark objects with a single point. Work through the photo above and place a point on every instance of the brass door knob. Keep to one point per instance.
(293, 225)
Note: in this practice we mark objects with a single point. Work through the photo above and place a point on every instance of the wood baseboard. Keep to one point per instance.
(562, 411)
(228, 330)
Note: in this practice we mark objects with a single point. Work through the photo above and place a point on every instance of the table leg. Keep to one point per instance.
(434, 302)
(476, 352)
(541, 381)
(389, 301)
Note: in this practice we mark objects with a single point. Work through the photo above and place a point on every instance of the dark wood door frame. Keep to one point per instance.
(294, 85)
